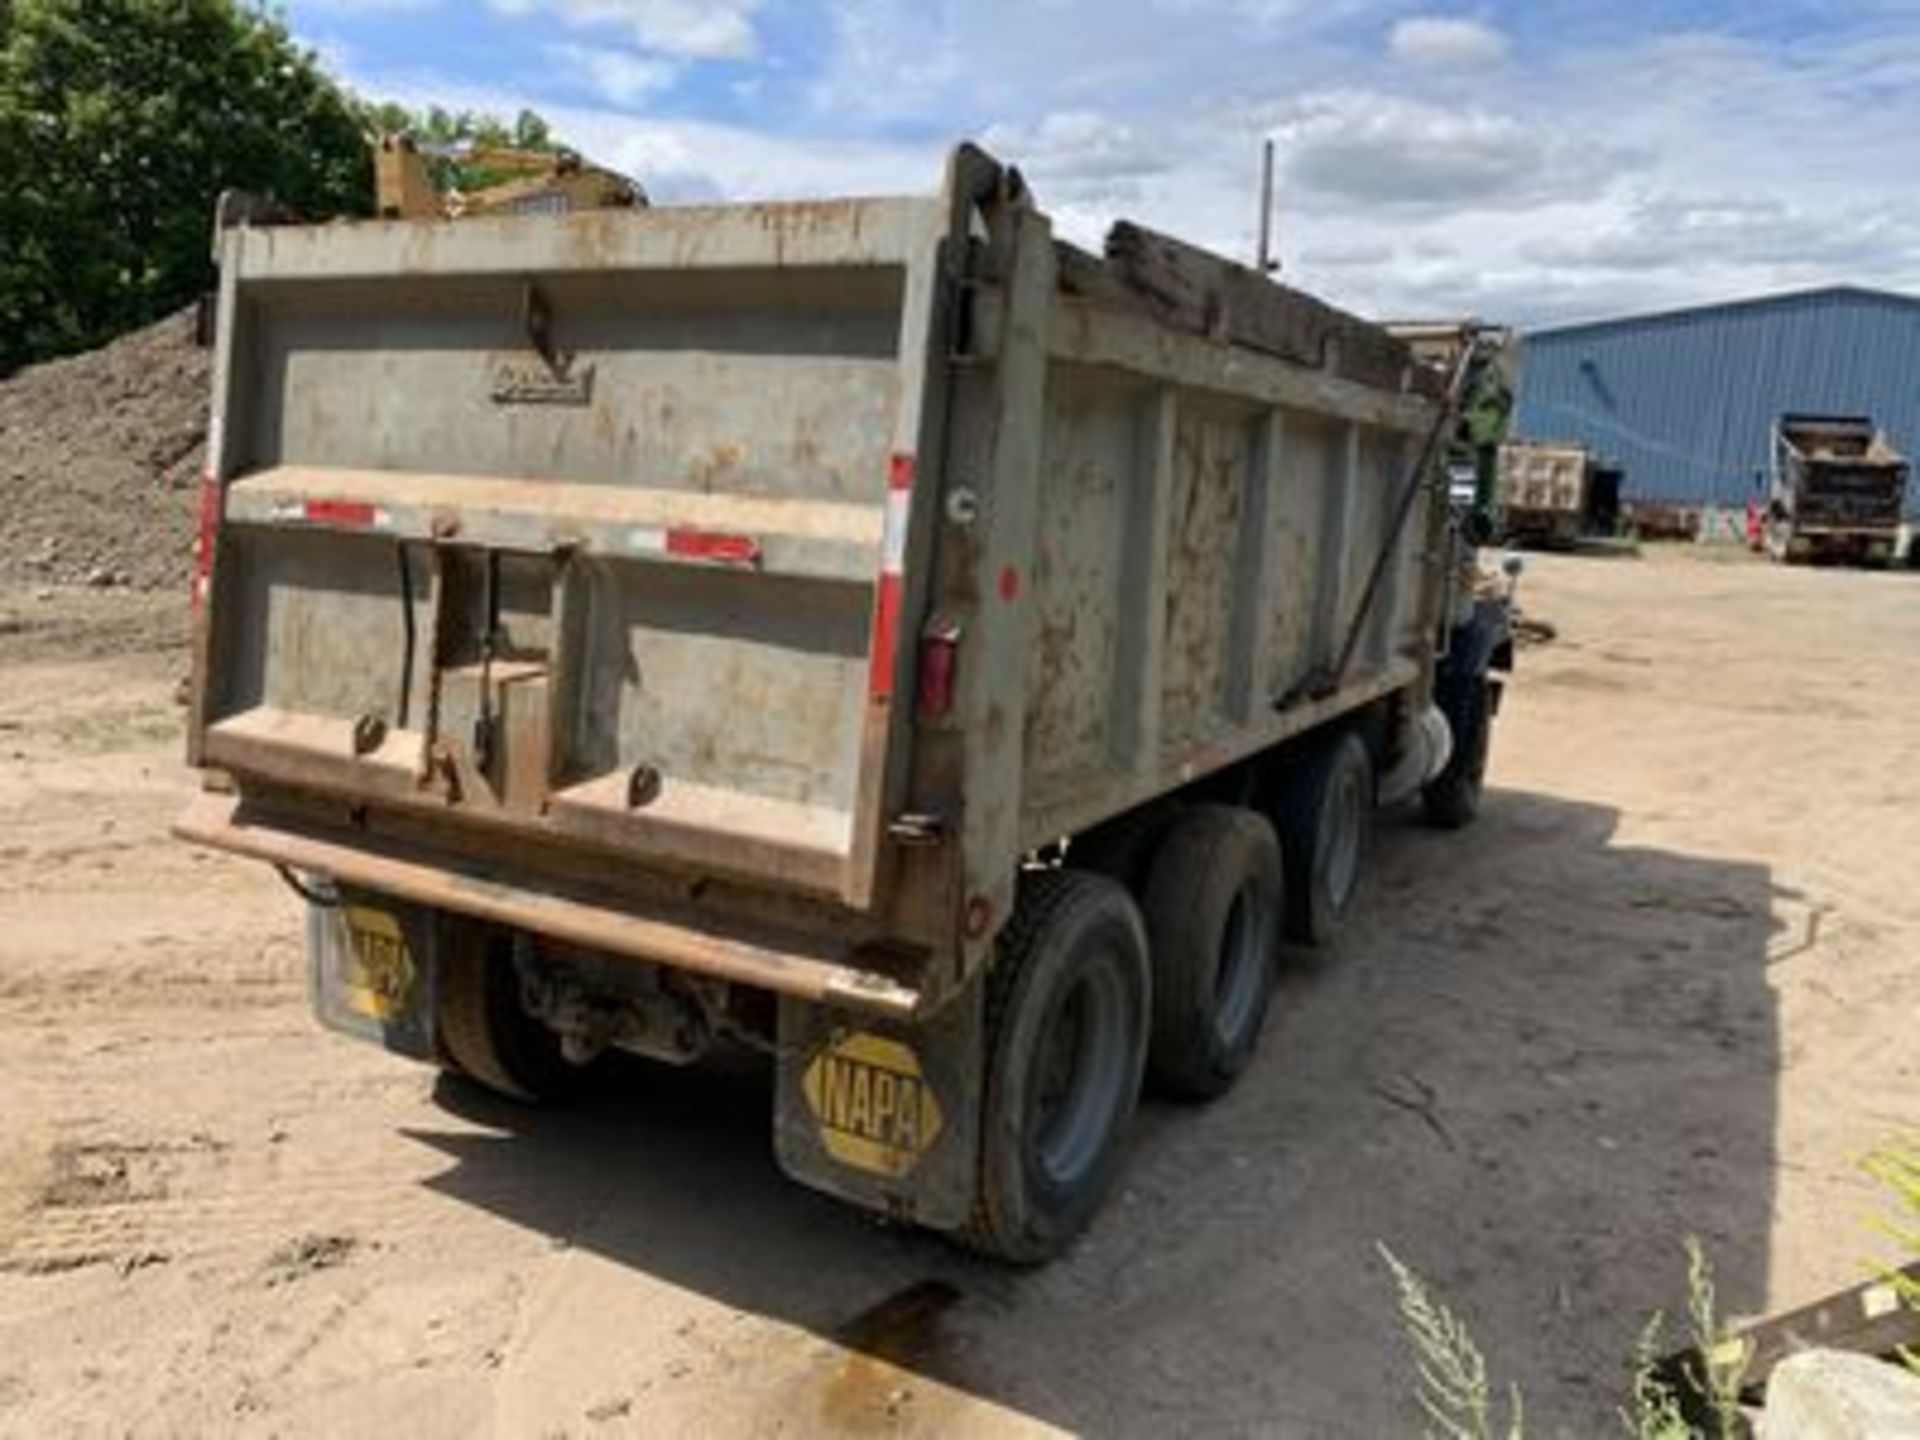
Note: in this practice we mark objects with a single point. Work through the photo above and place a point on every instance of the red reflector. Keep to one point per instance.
(938, 671)
(881, 650)
(203, 540)
(358, 513)
(715, 545)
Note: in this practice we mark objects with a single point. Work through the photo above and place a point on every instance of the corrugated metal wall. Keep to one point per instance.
(1685, 402)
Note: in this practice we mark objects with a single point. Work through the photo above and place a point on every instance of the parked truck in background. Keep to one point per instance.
(1554, 495)
(1837, 491)
(868, 630)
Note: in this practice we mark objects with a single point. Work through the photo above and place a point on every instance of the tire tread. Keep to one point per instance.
(1044, 895)
(1207, 842)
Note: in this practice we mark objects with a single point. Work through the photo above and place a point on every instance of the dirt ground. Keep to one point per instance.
(1665, 986)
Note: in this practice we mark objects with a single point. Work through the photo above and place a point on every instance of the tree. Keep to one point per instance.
(120, 123)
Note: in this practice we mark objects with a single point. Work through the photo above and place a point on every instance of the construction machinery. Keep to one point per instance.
(1837, 491)
(864, 629)
(1486, 407)
(533, 182)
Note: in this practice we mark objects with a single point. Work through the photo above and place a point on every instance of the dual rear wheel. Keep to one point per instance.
(1090, 993)
(483, 1031)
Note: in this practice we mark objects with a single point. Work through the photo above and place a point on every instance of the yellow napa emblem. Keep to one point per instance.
(875, 1110)
(379, 974)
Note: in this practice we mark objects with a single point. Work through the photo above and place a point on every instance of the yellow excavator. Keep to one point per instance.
(555, 182)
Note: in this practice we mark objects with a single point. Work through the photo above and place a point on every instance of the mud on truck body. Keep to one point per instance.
(868, 630)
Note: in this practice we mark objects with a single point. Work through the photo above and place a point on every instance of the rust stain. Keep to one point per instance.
(723, 457)
(879, 1389)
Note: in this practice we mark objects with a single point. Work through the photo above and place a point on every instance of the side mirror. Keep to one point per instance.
(1514, 566)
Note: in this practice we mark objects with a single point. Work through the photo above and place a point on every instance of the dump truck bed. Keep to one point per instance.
(750, 588)
(1839, 472)
(1839, 489)
(1542, 487)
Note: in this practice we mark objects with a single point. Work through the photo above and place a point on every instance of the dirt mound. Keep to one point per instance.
(100, 458)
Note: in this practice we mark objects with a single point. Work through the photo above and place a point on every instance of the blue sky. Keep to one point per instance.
(1525, 162)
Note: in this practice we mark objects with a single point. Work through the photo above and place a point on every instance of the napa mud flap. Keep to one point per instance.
(372, 963)
(884, 1115)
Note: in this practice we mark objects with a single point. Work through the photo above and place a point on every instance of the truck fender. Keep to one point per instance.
(1482, 642)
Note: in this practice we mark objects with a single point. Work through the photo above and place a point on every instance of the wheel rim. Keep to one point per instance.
(1237, 983)
(1080, 1065)
(1345, 813)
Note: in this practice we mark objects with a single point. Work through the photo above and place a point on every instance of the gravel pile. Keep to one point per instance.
(100, 459)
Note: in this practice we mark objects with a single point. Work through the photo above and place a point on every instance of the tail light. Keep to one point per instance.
(938, 668)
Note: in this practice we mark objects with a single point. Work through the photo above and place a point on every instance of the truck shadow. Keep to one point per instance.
(1537, 1061)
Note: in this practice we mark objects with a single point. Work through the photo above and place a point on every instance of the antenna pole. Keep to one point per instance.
(1268, 262)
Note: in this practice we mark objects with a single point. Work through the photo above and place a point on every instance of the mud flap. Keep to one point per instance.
(372, 967)
(883, 1115)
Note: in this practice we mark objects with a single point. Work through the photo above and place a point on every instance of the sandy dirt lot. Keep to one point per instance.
(1665, 986)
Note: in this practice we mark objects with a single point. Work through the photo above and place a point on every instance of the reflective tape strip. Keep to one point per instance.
(715, 545)
(886, 634)
(718, 547)
(887, 593)
(351, 514)
(212, 494)
(893, 542)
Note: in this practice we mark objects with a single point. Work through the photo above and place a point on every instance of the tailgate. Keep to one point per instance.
(587, 528)
(1852, 494)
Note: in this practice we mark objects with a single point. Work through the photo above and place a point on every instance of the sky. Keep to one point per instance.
(1527, 163)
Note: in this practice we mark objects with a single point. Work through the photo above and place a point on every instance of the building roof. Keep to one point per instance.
(1794, 298)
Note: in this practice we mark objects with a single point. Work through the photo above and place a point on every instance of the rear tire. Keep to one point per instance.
(1452, 798)
(1213, 908)
(1068, 1001)
(1325, 821)
(484, 1033)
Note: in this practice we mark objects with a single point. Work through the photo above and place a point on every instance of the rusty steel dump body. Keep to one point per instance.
(1838, 490)
(748, 591)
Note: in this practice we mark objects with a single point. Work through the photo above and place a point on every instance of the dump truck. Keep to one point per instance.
(866, 630)
(1554, 495)
(1837, 491)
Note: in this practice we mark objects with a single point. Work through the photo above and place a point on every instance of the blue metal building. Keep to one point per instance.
(1684, 402)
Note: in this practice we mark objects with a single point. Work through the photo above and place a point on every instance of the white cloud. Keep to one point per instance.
(1368, 149)
(1081, 156)
(1621, 169)
(619, 76)
(686, 29)
(972, 63)
(1668, 231)
(1357, 255)
(1446, 42)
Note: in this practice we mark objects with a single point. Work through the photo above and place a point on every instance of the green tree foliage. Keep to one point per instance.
(120, 123)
